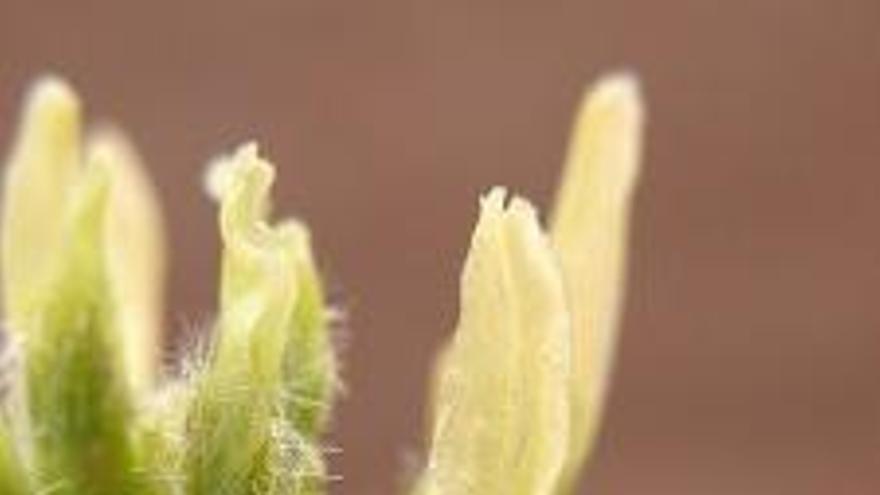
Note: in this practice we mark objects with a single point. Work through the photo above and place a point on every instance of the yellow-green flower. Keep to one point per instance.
(49, 160)
(83, 267)
(68, 301)
(260, 403)
(519, 391)
(501, 424)
(84, 409)
(589, 231)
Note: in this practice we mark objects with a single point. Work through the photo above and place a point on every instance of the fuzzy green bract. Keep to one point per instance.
(253, 419)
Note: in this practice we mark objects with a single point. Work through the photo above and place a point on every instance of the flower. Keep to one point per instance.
(83, 267)
(520, 388)
(517, 394)
(44, 176)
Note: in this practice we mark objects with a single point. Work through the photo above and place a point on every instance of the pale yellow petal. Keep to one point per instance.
(136, 252)
(501, 419)
(589, 233)
(39, 176)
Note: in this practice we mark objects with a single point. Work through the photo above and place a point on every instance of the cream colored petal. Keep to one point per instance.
(589, 232)
(39, 176)
(136, 252)
(501, 419)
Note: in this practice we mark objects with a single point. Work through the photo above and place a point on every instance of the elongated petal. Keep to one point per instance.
(308, 362)
(136, 253)
(501, 419)
(243, 437)
(259, 280)
(589, 232)
(39, 175)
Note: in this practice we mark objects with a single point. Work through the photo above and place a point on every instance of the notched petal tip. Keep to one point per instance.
(225, 171)
(508, 361)
(494, 199)
(242, 182)
(498, 204)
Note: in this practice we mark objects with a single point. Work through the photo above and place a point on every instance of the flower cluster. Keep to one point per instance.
(85, 408)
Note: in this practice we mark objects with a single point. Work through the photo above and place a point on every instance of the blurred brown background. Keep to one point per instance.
(751, 356)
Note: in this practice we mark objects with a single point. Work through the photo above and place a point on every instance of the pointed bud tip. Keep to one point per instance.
(607, 139)
(50, 120)
(51, 89)
(621, 89)
(51, 98)
(494, 199)
(499, 204)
